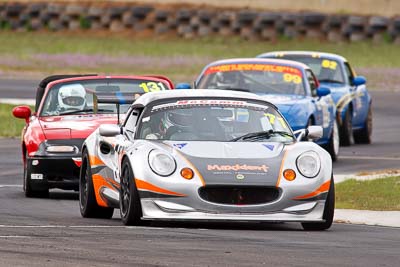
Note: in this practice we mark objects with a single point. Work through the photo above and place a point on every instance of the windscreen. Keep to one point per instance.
(212, 120)
(79, 97)
(254, 78)
(326, 70)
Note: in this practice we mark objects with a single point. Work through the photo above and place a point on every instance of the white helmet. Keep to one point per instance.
(72, 96)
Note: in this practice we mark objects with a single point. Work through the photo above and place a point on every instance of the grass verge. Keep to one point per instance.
(126, 53)
(377, 194)
(10, 126)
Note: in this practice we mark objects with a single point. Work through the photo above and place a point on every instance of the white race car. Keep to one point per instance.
(206, 155)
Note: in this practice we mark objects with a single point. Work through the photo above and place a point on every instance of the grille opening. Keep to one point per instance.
(239, 195)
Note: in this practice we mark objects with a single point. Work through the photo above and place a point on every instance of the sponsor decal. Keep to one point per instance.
(180, 146)
(237, 167)
(211, 102)
(270, 147)
(253, 67)
(239, 176)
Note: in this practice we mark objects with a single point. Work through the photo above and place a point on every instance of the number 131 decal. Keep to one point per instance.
(152, 86)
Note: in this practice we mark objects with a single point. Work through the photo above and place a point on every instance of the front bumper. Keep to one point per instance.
(55, 172)
(155, 209)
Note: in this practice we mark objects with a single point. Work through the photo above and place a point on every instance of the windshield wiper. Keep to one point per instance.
(258, 135)
(85, 110)
(329, 81)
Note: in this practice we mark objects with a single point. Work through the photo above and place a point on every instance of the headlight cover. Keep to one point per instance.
(309, 164)
(161, 163)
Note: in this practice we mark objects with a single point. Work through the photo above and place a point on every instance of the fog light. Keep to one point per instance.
(187, 173)
(289, 174)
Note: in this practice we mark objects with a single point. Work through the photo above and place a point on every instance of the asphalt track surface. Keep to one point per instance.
(51, 232)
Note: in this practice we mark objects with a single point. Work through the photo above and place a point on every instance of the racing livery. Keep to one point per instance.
(206, 155)
(290, 85)
(68, 108)
(353, 102)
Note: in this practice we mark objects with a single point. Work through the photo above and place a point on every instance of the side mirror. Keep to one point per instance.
(359, 80)
(22, 112)
(323, 91)
(109, 130)
(183, 86)
(315, 132)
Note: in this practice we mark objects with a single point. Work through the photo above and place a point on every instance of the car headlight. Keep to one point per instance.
(161, 163)
(309, 164)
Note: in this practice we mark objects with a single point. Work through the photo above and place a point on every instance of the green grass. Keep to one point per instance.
(24, 46)
(10, 126)
(378, 194)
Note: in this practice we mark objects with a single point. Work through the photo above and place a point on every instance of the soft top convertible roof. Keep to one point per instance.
(49, 79)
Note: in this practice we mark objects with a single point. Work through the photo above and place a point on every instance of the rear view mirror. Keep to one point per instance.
(109, 130)
(22, 112)
(183, 86)
(323, 91)
(359, 80)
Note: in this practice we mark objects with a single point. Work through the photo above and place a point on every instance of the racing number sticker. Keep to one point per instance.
(329, 64)
(292, 78)
(152, 86)
(271, 118)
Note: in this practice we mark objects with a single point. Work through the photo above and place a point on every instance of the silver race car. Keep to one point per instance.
(206, 155)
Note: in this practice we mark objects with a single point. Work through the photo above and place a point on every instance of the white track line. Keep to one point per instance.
(369, 158)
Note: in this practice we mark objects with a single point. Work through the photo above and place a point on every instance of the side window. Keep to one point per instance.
(312, 82)
(131, 121)
(349, 73)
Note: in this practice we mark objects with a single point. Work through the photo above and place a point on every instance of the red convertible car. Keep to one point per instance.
(68, 109)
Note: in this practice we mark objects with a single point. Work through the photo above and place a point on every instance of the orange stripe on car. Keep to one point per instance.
(281, 168)
(99, 182)
(143, 185)
(94, 161)
(196, 171)
(322, 189)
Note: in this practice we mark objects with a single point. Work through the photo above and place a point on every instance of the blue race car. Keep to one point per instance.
(353, 102)
(290, 85)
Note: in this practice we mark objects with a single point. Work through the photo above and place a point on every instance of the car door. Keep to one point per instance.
(322, 104)
(359, 96)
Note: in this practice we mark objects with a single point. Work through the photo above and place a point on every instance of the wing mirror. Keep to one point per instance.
(183, 86)
(359, 80)
(323, 91)
(312, 132)
(22, 112)
(315, 132)
(109, 130)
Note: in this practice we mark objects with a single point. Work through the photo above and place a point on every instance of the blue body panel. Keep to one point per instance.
(297, 109)
(346, 96)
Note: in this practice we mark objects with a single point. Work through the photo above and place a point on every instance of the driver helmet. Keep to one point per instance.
(180, 119)
(229, 79)
(72, 96)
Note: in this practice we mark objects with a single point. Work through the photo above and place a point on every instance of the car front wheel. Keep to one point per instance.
(334, 142)
(129, 200)
(364, 136)
(27, 183)
(87, 198)
(329, 211)
(346, 130)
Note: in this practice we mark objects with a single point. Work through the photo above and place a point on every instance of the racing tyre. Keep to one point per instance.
(27, 184)
(329, 211)
(333, 146)
(364, 136)
(129, 201)
(346, 131)
(87, 198)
